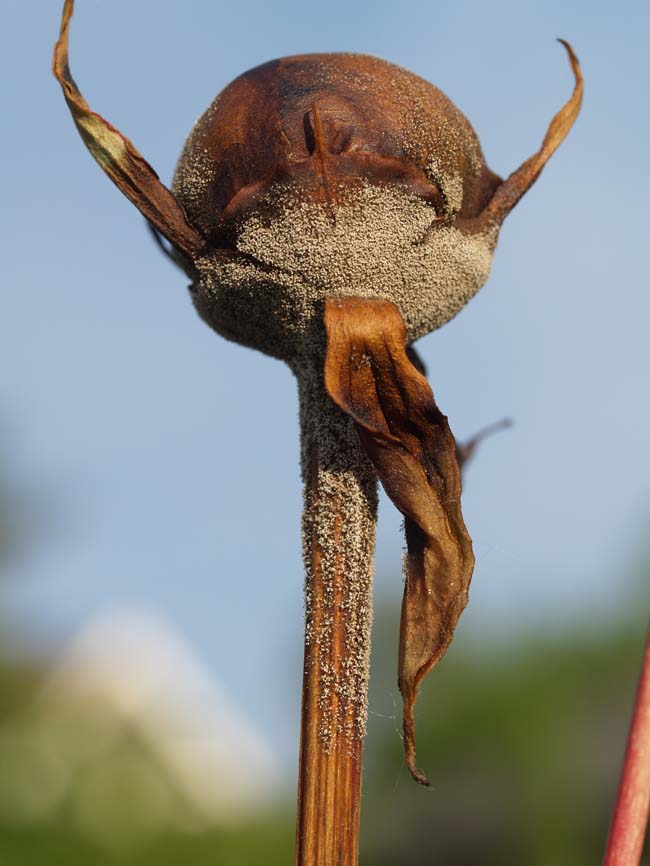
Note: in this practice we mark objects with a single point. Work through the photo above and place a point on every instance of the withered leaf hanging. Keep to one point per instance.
(368, 374)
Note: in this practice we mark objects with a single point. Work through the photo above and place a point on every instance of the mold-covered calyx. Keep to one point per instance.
(377, 244)
(322, 175)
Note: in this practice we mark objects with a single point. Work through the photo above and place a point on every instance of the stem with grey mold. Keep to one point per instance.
(339, 517)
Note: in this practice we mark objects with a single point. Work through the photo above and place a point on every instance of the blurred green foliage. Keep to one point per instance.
(269, 842)
(522, 742)
(522, 745)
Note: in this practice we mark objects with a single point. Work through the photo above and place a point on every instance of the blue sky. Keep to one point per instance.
(167, 459)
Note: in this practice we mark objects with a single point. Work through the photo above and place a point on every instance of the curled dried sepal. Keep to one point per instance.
(466, 450)
(519, 182)
(368, 374)
(118, 157)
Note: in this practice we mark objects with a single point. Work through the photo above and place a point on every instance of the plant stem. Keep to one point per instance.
(630, 818)
(339, 517)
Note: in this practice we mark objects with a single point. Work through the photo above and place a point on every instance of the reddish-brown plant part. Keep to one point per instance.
(327, 121)
(630, 817)
(368, 374)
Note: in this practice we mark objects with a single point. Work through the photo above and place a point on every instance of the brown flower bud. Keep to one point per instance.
(319, 175)
(330, 174)
(322, 175)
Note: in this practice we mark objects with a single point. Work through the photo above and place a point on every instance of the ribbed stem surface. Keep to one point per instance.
(339, 516)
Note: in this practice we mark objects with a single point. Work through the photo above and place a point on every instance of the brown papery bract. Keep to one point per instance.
(369, 375)
(120, 159)
(520, 181)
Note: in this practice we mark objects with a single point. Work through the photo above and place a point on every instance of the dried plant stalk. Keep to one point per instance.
(339, 519)
(630, 818)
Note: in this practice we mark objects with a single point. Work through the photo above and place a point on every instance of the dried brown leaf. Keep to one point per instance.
(513, 188)
(118, 157)
(368, 374)
(465, 450)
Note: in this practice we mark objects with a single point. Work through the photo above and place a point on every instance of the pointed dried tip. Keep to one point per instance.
(514, 187)
(409, 747)
(60, 59)
(466, 450)
(119, 158)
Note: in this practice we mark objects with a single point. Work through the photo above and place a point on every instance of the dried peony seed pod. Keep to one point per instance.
(330, 210)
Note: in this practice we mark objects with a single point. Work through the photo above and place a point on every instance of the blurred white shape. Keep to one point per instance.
(130, 670)
(130, 736)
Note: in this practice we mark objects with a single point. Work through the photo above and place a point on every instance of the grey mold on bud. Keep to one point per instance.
(376, 245)
(333, 175)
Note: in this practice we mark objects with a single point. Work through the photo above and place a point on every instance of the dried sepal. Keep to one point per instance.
(519, 182)
(407, 438)
(118, 157)
(465, 450)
